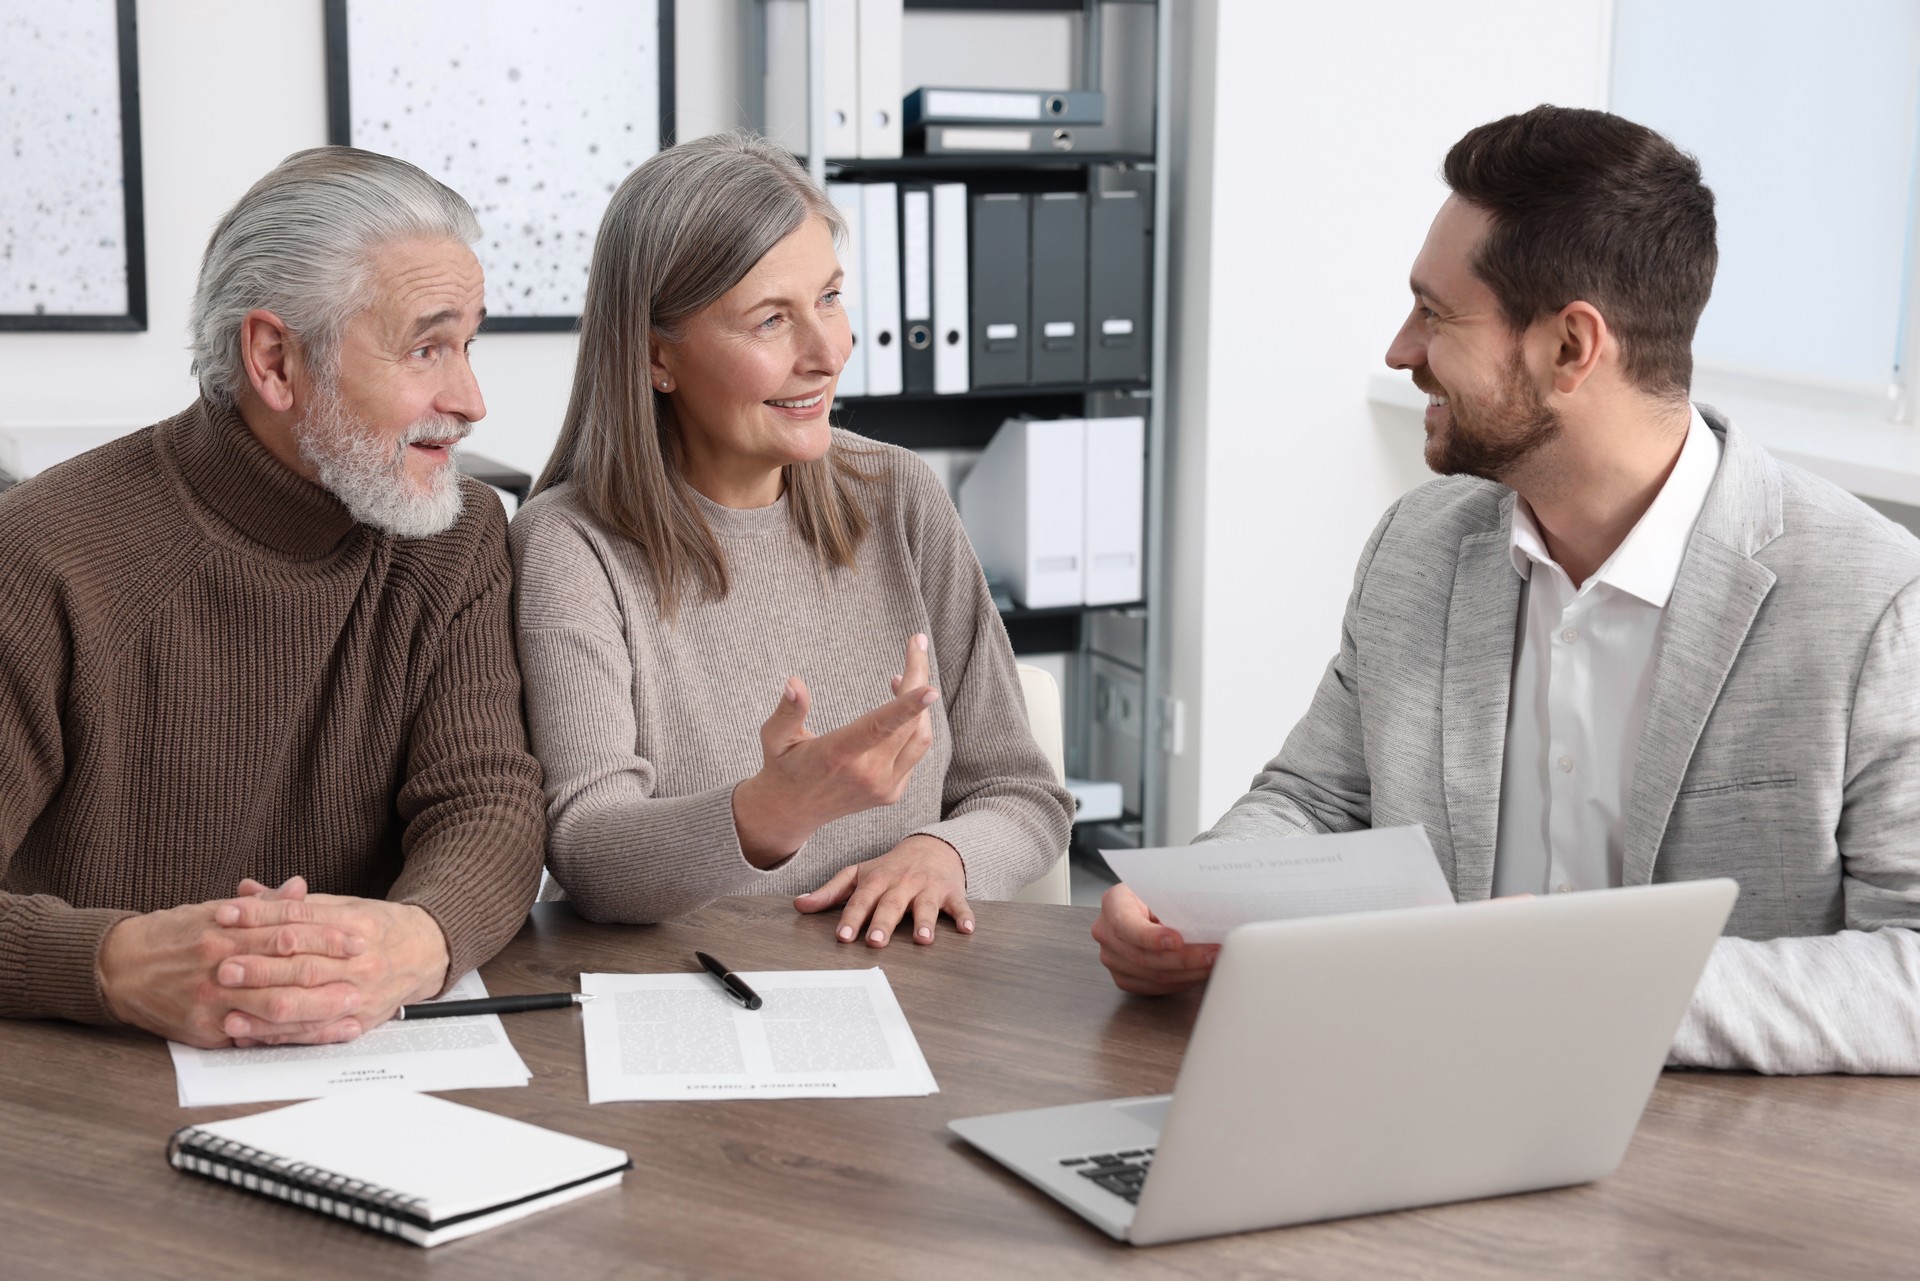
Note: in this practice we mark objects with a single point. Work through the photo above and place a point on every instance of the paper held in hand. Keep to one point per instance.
(818, 1033)
(1205, 890)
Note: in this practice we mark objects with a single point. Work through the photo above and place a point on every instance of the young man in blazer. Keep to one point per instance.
(1618, 642)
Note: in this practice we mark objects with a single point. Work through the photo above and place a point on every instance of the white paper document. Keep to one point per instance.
(817, 1033)
(466, 1053)
(1205, 890)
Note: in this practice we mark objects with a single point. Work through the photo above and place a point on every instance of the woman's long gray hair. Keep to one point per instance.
(682, 230)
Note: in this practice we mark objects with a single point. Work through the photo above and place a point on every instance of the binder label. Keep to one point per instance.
(987, 139)
(985, 106)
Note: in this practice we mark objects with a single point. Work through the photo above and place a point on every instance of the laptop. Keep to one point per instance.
(1345, 1065)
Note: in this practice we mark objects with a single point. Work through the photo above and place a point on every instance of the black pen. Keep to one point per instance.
(741, 992)
(493, 1005)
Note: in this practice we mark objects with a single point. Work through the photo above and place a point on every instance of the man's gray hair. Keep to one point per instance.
(301, 243)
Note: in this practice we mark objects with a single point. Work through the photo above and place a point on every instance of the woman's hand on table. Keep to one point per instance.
(922, 876)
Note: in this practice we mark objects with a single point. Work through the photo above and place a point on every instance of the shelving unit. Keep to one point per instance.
(950, 162)
(956, 422)
(1126, 644)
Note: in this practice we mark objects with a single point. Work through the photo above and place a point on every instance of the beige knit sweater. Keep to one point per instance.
(644, 727)
(208, 670)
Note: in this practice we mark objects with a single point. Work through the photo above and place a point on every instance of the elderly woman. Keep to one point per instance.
(718, 590)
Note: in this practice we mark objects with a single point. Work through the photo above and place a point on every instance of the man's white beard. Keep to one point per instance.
(372, 480)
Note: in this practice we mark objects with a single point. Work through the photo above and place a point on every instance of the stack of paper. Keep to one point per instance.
(817, 1033)
(467, 1053)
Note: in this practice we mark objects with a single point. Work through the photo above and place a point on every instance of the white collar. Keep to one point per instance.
(1647, 561)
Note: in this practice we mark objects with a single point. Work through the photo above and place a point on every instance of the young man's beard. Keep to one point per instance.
(370, 478)
(1489, 439)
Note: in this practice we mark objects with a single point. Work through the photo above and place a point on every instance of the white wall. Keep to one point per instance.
(1803, 123)
(1322, 144)
(227, 89)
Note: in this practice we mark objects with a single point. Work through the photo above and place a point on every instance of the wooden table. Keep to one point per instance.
(1729, 1175)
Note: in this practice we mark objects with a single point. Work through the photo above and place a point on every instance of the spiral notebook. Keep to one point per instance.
(408, 1164)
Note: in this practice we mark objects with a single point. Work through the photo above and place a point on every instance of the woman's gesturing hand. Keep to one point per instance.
(809, 780)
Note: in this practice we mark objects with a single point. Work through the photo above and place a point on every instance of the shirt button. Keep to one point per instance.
(1563, 888)
(1566, 764)
(1570, 636)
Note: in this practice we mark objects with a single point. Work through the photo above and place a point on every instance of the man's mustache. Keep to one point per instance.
(440, 427)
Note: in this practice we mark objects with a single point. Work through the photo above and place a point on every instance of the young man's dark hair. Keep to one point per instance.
(1588, 206)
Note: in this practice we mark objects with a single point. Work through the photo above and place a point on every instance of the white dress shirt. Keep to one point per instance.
(1582, 671)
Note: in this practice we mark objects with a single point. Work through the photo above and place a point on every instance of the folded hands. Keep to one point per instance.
(271, 966)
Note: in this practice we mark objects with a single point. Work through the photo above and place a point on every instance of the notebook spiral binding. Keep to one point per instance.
(365, 1204)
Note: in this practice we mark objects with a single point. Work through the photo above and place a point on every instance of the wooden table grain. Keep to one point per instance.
(1728, 1176)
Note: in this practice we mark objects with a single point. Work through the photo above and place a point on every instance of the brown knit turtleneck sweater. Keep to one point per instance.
(208, 670)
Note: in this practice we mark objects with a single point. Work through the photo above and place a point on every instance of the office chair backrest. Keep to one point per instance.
(1043, 718)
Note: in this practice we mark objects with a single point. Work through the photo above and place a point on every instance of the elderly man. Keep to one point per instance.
(1620, 643)
(266, 643)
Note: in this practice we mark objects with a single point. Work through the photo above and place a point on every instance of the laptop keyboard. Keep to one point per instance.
(1121, 1173)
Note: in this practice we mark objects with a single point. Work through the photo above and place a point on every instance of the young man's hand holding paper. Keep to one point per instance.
(1204, 890)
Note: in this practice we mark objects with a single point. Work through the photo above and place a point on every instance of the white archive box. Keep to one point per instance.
(1054, 509)
(1114, 505)
(1022, 505)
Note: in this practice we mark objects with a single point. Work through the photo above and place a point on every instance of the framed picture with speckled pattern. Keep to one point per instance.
(533, 112)
(72, 235)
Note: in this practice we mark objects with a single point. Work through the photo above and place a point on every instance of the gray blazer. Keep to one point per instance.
(1781, 746)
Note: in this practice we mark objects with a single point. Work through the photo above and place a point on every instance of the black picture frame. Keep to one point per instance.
(134, 319)
(340, 130)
